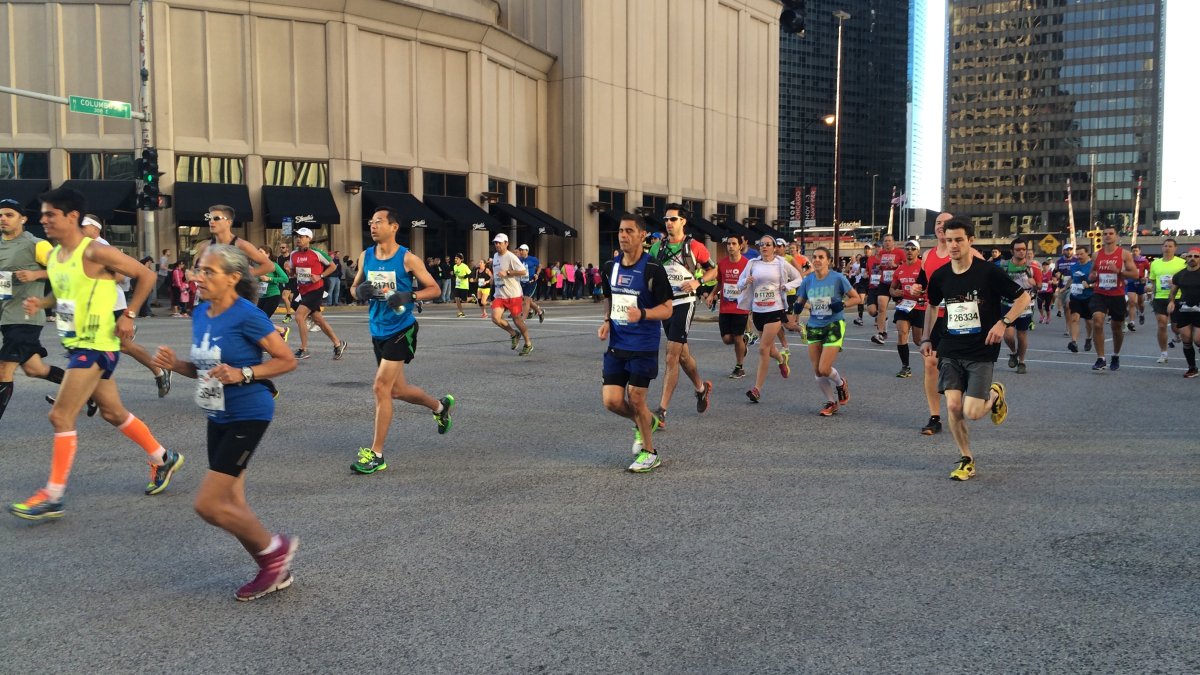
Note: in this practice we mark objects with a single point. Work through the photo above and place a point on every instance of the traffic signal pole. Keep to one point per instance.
(149, 229)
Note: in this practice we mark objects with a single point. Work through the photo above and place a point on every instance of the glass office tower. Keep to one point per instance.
(1041, 91)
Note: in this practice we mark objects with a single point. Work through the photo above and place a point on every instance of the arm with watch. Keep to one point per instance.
(1020, 304)
(116, 262)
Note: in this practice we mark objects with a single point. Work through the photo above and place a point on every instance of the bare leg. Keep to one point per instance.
(221, 501)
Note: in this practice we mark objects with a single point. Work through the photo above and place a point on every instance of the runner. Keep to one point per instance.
(732, 319)
(507, 274)
(1022, 269)
(637, 296)
(879, 279)
(220, 219)
(384, 278)
(906, 288)
(1079, 297)
(229, 336)
(483, 282)
(973, 291)
(861, 280)
(1135, 289)
(270, 292)
(1062, 270)
(310, 267)
(81, 275)
(1112, 264)
(529, 286)
(23, 258)
(685, 259)
(1161, 272)
(828, 293)
(762, 289)
(1046, 291)
(1184, 304)
(462, 282)
(162, 378)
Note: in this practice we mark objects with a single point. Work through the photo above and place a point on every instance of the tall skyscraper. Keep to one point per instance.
(926, 103)
(874, 108)
(1041, 91)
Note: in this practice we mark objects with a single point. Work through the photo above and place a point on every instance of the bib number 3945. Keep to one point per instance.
(6, 285)
(962, 318)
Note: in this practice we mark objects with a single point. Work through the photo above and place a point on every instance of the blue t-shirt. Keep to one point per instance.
(532, 264)
(388, 276)
(820, 293)
(645, 286)
(1079, 276)
(232, 338)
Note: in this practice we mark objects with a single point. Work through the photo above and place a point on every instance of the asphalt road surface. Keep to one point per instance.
(771, 540)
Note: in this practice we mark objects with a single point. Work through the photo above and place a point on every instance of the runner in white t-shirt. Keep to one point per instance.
(508, 271)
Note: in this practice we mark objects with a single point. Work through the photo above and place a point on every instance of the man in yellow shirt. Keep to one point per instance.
(462, 282)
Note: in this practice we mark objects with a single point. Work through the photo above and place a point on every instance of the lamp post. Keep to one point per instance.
(841, 16)
(873, 177)
(828, 121)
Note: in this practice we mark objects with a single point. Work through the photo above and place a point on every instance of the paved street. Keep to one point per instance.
(770, 540)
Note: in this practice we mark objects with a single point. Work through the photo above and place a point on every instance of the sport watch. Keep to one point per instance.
(247, 374)
(129, 314)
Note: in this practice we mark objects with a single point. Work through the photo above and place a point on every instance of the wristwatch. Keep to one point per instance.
(1005, 320)
(247, 374)
(130, 314)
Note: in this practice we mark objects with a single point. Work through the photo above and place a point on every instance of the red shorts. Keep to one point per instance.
(513, 305)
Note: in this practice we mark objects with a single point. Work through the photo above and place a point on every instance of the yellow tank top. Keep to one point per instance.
(85, 305)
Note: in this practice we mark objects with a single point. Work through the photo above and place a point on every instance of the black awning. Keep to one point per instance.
(304, 205)
(106, 197)
(464, 213)
(193, 199)
(700, 227)
(24, 191)
(610, 221)
(409, 210)
(536, 226)
(655, 221)
(563, 228)
(767, 230)
(734, 227)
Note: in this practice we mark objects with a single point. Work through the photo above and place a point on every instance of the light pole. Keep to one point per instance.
(873, 177)
(828, 121)
(841, 16)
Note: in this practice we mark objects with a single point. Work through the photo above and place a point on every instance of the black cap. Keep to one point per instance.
(10, 203)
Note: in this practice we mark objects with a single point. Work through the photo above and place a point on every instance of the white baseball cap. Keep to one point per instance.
(88, 220)
(304, 232)
(501, 237)
(913, 243)
(523, 247)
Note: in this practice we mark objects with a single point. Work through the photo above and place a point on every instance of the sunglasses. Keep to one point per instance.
(211, 217)
(671, 219)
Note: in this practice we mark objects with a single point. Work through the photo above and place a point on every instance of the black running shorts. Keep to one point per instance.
(732, 324)
(20, 343)
(399, 347)
(680, 323)
(231, 445)
(1112, 305)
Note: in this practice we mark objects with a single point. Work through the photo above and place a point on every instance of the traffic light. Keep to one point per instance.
(148, 174)
(792, 18)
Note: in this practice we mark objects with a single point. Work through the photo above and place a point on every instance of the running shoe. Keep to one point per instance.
(751, 338)
(964, 470)
(784, 357)
(905, 371)
(738, 373)
(287, 333)
(1098, 365)
(160, 476)
(302, 354)
(858, 321)
(163, 382)
(1170, 344)
(1129, 325)
(1073, 347)
(526, 349)
(1162, 358)
(274, 571)
(312, 325)
(1000, 407)
(639, 443)
(703, 396)
(339, 350)
(843, 392)
(513, 340)
(1087, 345)
(753, 394)
(644, 462)
(1012, 360)
(1114, 363)
(541, 315)
(92, 406)
(660, 416)
(37, 507)
(461, 315)
(419, 306)
(934, 426)
(1141, 319)
(368, 461)
(877, 338)
(1191, 372)
(443, 418)
(829, 409)
(287, 318)
(1021, 370)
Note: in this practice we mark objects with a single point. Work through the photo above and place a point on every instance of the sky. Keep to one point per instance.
(1181, 100)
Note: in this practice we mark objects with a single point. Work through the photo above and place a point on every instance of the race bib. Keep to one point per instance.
(906, 305)
(621, 304)
(262, 288)
(304, 276)
(874, 279)
(962, 318)
(730, 292)
(383, 281)
(1077, 289)
(210, 393)
(64, 318)
(1108, 280)
(766, 296)
(1184, 307)
(6, 285)
(1164, 282)
(819, 307)
(887, 276)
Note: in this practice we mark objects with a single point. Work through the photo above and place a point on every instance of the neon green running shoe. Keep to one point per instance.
(443, 418)
(368, 461)
(646, 461)
(638, 442)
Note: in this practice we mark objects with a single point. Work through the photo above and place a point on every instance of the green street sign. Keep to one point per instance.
(99, 106)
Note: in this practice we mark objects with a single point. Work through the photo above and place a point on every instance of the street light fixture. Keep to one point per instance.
(841, 16)
(873, 177)
(828, 121)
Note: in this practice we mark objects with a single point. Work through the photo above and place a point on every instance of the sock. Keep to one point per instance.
(440, 408)
(1189, 353)
(738, 365)
(836, 378)
(6, 390)
(903, 349)
(860, 311)
(137, 431)
(936, 417)
(65, 444)
(276, 542)
(56, 375)
(827, 388)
